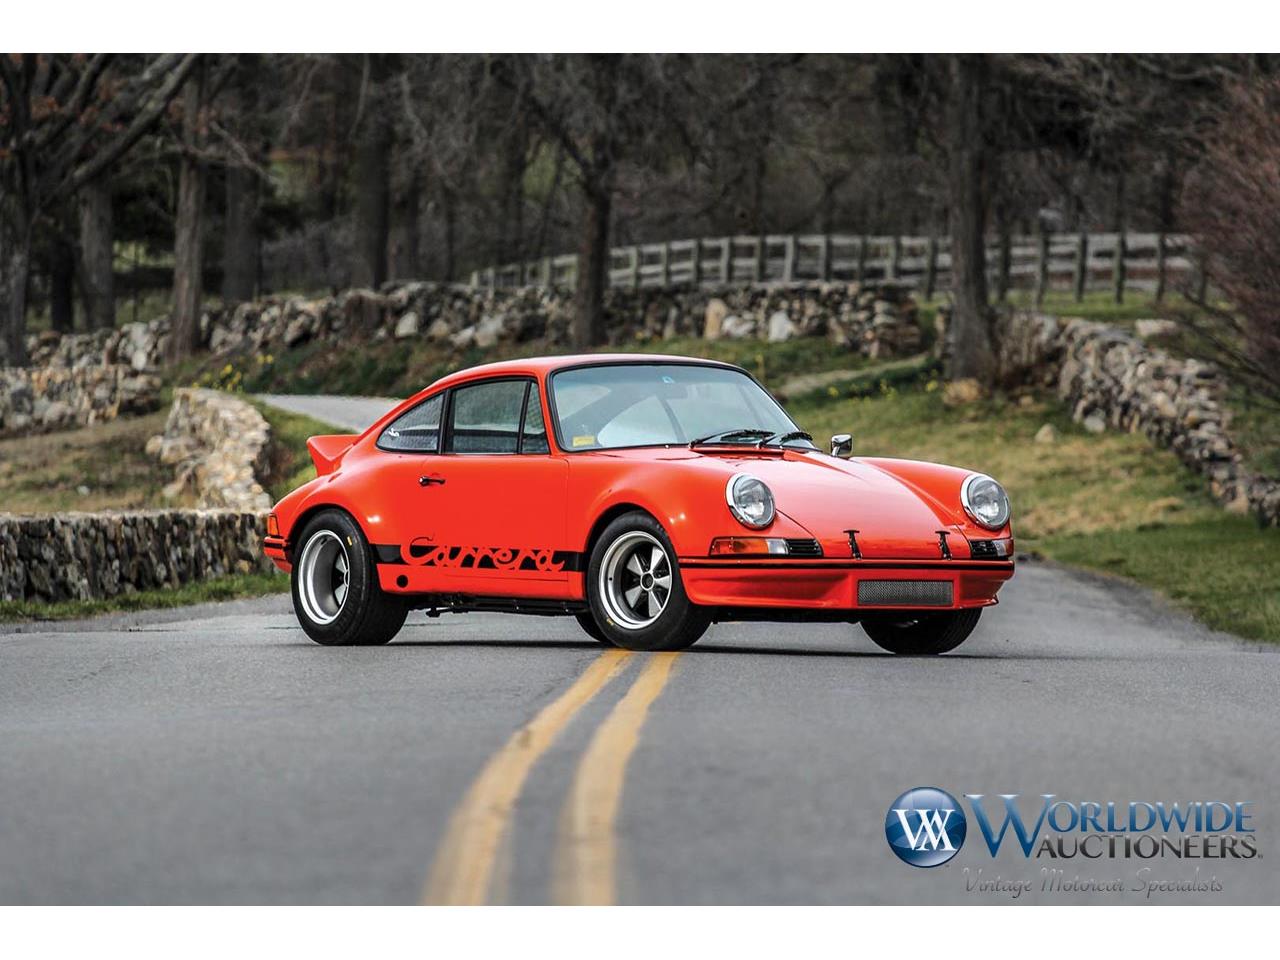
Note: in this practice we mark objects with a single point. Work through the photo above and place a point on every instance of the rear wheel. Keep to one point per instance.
(592, 629)
(922, 634)
(633, 586)
(336, 594)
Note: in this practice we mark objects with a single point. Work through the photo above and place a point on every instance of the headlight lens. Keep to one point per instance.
(985, 501)
(749, 500)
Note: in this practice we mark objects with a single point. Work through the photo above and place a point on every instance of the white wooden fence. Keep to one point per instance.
(1077, 262)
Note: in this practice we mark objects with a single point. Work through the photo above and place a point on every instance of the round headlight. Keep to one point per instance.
(985, 501)
(749, 500)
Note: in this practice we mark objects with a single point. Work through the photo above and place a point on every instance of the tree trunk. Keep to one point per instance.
(97, 255)
(450, 211)
(188, 249)
(510, 245)
(373, 182)
(240, 244)
(405, 225)
(587, 328)
(62, 283)
(15, 258)
(970, 335)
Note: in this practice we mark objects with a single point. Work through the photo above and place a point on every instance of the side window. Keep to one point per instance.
(533, 439)
(486, 417)
(416, 430)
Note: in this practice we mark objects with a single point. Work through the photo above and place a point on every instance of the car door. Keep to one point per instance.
(494, 501)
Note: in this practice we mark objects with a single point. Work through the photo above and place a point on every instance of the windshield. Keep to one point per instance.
(652, 404)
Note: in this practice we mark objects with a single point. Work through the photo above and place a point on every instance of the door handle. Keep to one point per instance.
(425, 481)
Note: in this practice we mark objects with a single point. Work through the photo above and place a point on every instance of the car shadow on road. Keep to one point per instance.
(719, 648)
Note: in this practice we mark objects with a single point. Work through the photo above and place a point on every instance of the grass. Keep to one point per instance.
(102, 467)
(1110, 502)
(235, 587)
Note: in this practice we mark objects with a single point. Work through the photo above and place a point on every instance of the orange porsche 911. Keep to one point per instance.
(646, 496)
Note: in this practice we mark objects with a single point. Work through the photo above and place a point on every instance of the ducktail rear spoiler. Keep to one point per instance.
(327, 451)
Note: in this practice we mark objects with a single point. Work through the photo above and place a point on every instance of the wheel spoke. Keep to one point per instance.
(341, 565)
(340, 593)
(663, 581)
(656, 558)
(632, 596)
(633, 564)
(654, 606)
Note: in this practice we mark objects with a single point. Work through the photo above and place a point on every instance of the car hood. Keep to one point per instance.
(829, 496)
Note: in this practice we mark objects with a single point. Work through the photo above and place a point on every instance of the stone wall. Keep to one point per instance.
(83, 556)
(218, 444)
(874, 320)
(36, 400)
(1109, 377)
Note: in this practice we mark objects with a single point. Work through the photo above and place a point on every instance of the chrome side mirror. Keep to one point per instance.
(841, 445)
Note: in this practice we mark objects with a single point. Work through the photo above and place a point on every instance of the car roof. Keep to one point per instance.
(541, 366)
(533, 367)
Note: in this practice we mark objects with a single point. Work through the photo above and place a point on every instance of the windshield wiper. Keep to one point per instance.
(783, 438)
(724, 435)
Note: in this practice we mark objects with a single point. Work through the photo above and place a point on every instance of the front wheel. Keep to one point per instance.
(336, 594)
(633, 586)
(922, 634)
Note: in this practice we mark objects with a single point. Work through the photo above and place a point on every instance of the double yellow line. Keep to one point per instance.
(586, 848)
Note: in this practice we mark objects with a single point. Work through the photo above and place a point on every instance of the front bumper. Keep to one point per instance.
(277, 550)
(854, 585)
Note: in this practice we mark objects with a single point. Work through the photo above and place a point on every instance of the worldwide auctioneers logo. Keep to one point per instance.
(926, 827)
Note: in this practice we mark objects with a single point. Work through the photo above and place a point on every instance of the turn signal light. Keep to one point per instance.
(747, 545)
(273, 525)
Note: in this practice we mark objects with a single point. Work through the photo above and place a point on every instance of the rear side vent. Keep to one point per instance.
(804, 548)
(904, 593)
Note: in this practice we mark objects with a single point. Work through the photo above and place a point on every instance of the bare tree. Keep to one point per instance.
(62, 128)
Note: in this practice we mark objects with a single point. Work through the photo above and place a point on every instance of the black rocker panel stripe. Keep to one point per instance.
(483, 558)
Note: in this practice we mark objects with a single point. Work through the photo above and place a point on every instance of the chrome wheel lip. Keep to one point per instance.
(324, 572)
(635, 580)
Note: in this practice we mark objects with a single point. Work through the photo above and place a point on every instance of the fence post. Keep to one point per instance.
(491, 278)
(475, 278)
(895, 258)
(861, 274)
(573, 271)
(1042, 265)
(633, 267)
(665, 274)
(726, 259)
(697, 263)
(789, 259)
(930, 266)
(1117, 268)
(1160, 267)
(824, 258)
(1082, 265)
(548, 273)
(757, 269)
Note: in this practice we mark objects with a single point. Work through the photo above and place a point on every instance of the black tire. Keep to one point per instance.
(921, 634)
(677, 624)
(363, 615)
(587, 621)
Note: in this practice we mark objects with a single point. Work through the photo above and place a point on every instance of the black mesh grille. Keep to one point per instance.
(804, 548)
(904, 593)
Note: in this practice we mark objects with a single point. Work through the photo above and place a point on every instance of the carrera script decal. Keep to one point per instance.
(423, 553)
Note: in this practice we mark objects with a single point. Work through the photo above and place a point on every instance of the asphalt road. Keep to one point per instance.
(216, 755)
(349, 413)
